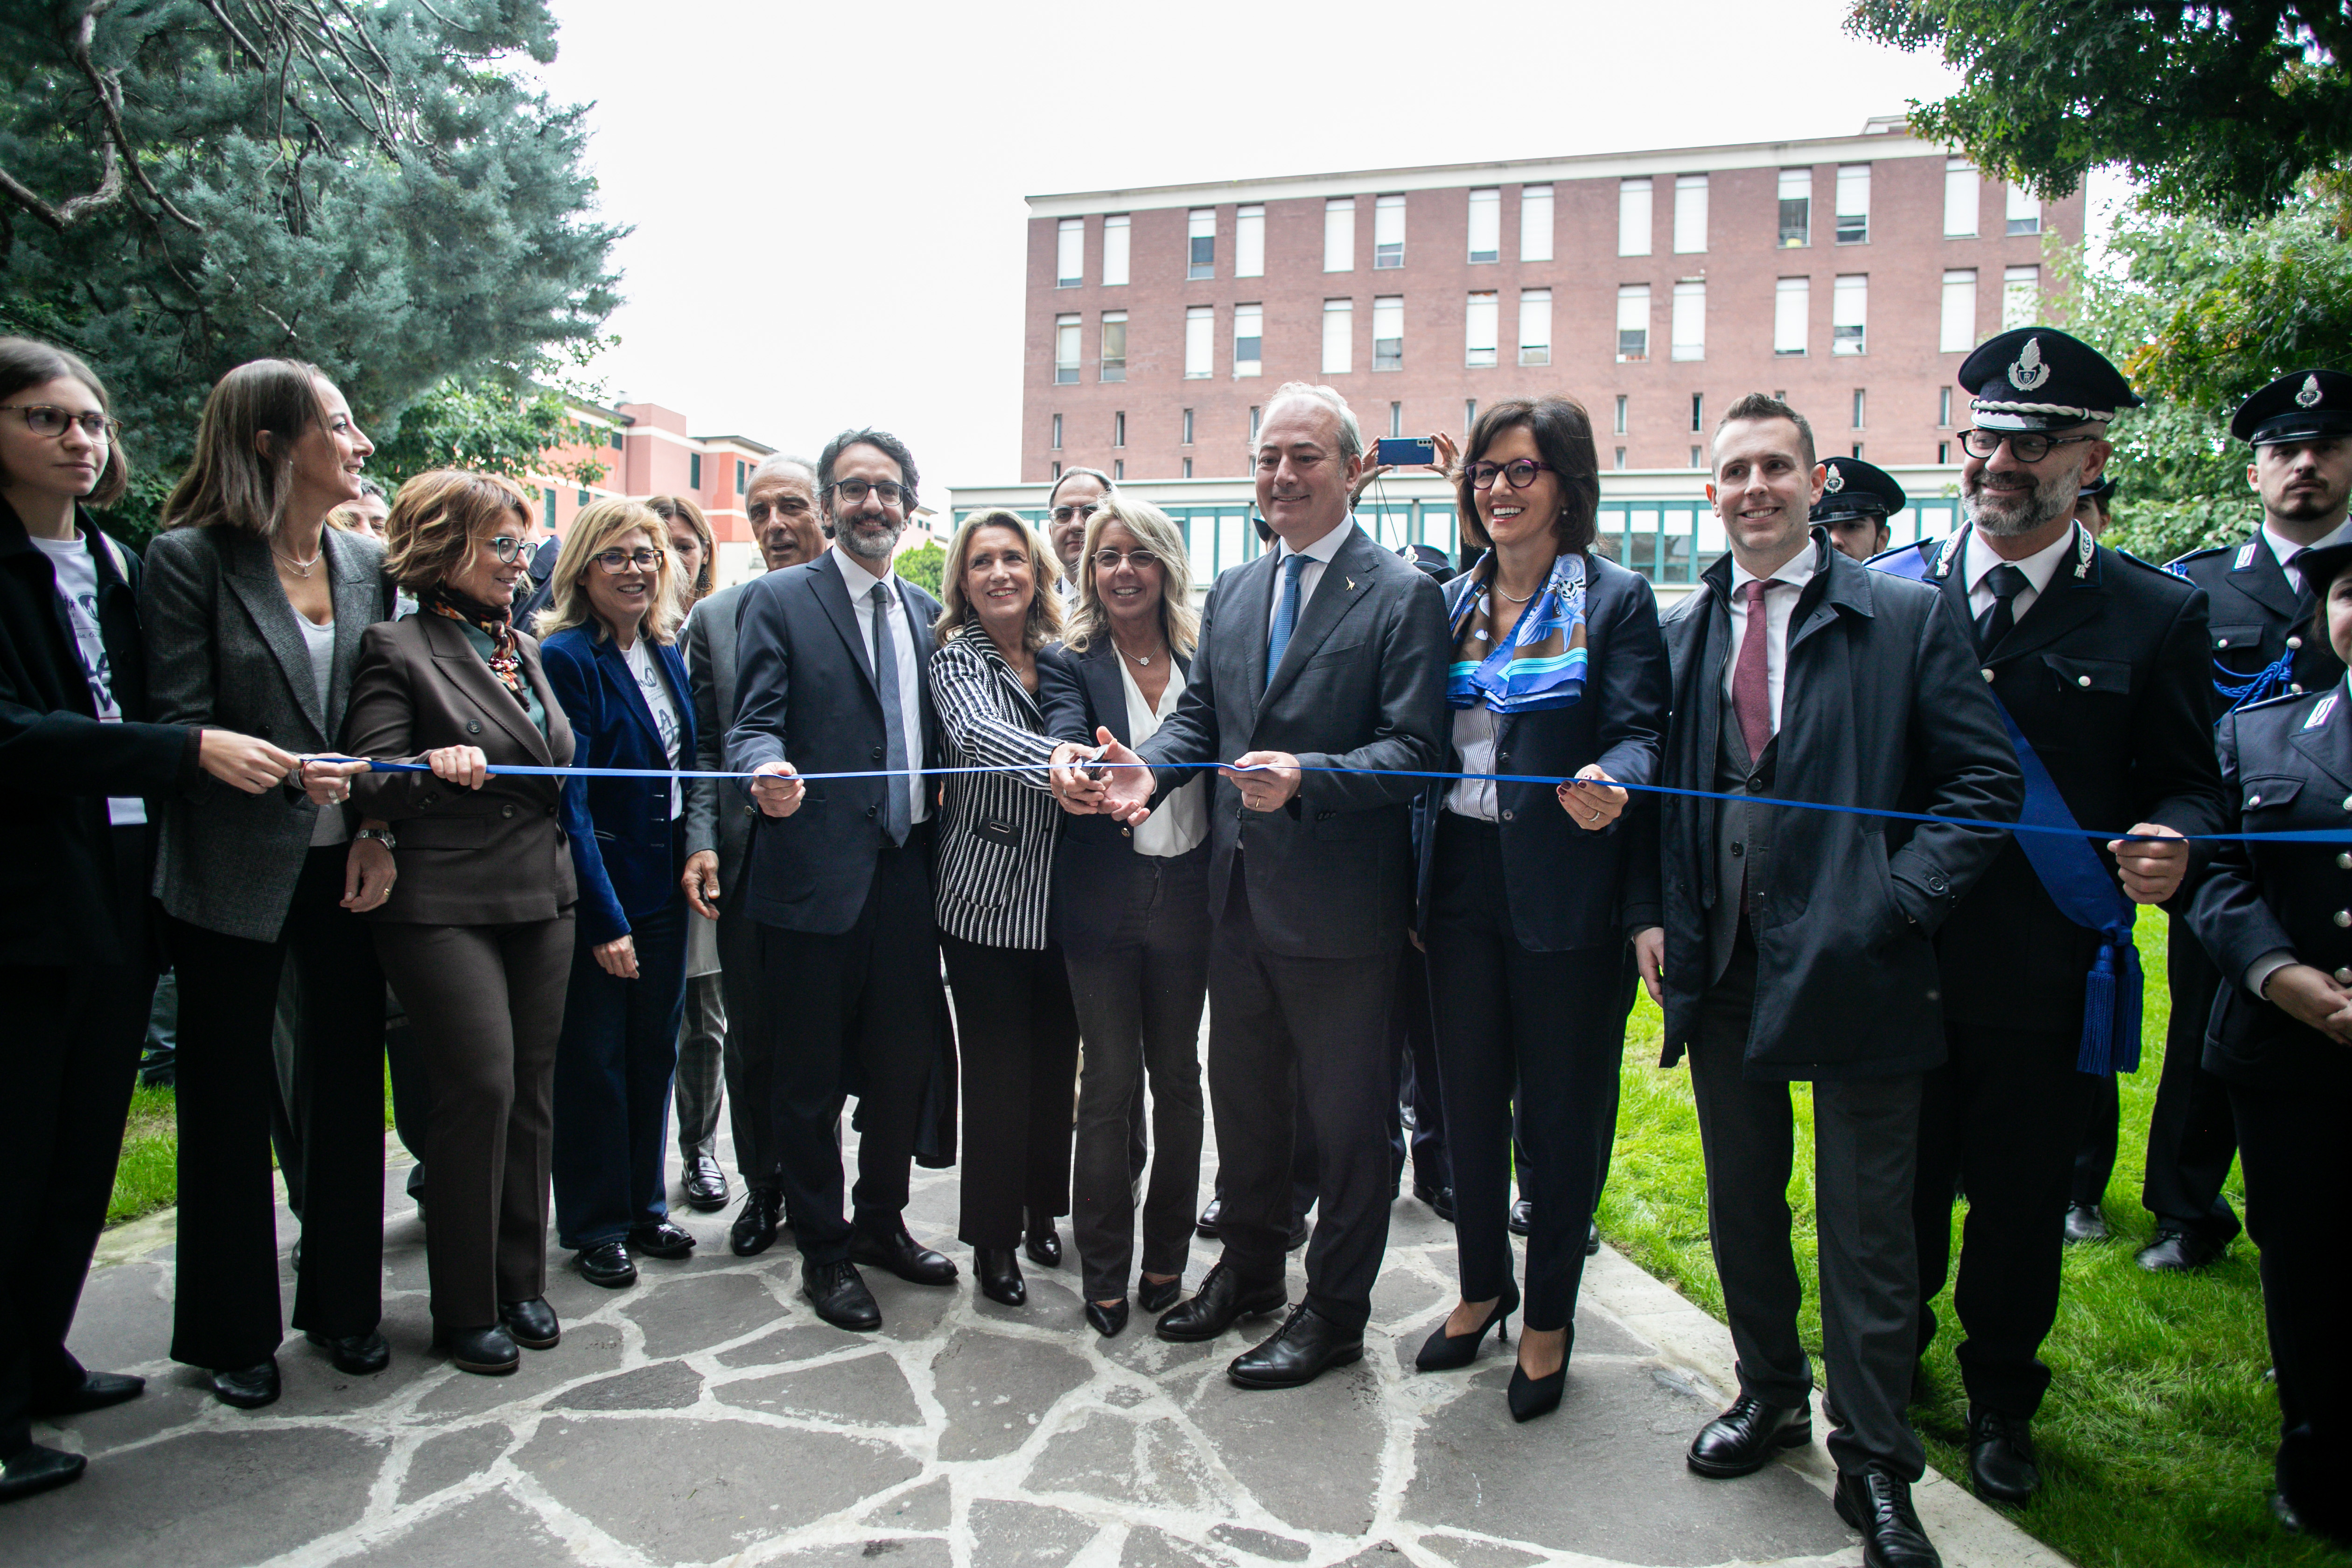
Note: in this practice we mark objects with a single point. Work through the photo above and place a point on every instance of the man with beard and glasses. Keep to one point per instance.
(2099, 661)
(831, 679)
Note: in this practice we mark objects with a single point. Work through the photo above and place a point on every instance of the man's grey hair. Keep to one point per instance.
(1110, 486)
(776, 462)
(1352, 435)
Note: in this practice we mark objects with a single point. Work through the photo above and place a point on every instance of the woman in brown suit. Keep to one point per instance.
(476, 935)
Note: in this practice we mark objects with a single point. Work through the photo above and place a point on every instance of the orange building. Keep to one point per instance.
(646, 451)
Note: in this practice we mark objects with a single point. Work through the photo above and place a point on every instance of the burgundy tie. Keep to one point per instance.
(1752, 678)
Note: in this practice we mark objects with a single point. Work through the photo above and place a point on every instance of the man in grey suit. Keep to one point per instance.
(781, 500)
(1325, 655)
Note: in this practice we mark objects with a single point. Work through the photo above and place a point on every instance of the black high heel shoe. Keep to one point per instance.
(1443, 1351)
(999, 1275)
(1106, 1320)
(1530, 1397)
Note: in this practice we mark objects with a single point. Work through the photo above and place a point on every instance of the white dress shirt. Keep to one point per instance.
(2038, 567)
(2283, 550)
(1475, 729)
(1780, 609)
(861, 584)
(1180, 822)
(1318, 556)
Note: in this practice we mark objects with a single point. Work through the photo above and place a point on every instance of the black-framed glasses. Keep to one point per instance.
(1071, 513)
(1108, 561)
(789, 507)
(854, 491)
(1519, 473)
(2025, 446)
(618, 561)
(49, 419)
(506, 547)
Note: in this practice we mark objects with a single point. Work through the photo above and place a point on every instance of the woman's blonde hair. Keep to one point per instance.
(230, 481)
(437, 517)
(592, 532)
(1153, 529)
(1044, 620)
(670, 508)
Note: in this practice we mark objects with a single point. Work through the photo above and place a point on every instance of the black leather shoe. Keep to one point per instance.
(247, 1387)
(1158, 1296)
(902, 1254)
(2178, 1252)
(1110, 1321)
(488, 1353)
(705, 1185)
(2085, 1223)
(661, 1241)
(1530, 1397)
(1221, 1302)
(2001, 1457)
(839, 1295)
(96, 1391)
(1443, 1351)
(1043, 1245)
(358, 1355)
(1593, 1238)
(1743, 1439)
(1207, 1223)
(999, 1269)
(531, 1324)
(38, 1469)
(1522, 1217)
(2281, 1510)
(1300, 1351)
(1298, 1234)
(1879, 1505)
(1438, 1198)
(754, 1230)
(607, 1264)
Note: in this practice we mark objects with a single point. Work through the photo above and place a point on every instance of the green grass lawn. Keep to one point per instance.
(2155, 1438)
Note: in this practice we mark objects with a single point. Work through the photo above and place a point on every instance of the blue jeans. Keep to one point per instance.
(612, 1069)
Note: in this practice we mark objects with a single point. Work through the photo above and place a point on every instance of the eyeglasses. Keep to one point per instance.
(48, 419)
(1106, 561)
(789, 507)
(2025, 446)
(1519, 474)
(617, 560)
(506, 547)
(854, 491)
(1071, 513)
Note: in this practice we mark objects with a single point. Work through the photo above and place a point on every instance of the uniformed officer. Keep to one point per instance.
(2277, 919)
(1857, 498)
(2099, 661)
(2264, 644)
(2094, 505)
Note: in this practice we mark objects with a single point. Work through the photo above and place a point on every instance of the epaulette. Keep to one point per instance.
(2177, 562)
(2284, 698)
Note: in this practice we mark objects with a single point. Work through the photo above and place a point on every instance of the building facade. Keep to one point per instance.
(645, 450)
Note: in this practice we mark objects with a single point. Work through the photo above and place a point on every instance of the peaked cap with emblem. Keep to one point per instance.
(2321, 565)
(2301, 405)
(2102, 490)
(1856, 488)
(2038, 378)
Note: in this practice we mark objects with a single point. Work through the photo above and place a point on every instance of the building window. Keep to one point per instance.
(1057, 471)
(1942, 451)
(1486, 225)
(1958, 334)
(1859, 399)
(1959, 199)
(1698, 412)
(1254, 413)
(742, 476)
(1116, 233)
(1188, 428)
(1070, 253)
(547, 510)
(1857, 451)
(1057, 434)
(1388, 332)
(1338, 336)
(1690, 214)
(1792, 306)
(1943, 410)
(1849, 311)
(1469, 412)
(2024, 213)
(1118, 469)
(1632, 218)
(1535, 222)
(694, 472)
(2020, 296)
(615, 439)
(1249, 242)
(1690, 319)
(1340, 234)
(1535, 326)
(1188, 468)
(1249, 337)
(1200, 340)
(1622, 403)
(1632, 324)
(1118, 429)
(1620, 457)
(580, 498)
(1114, 345)
(1478, 331)
(1396, 418)
(1854, 204)
(1200, 243)
(1698, 457)
(1388, 232)
(1796, 207)
(1066, 350)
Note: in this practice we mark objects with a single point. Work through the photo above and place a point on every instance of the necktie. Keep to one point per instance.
(1751, 676)
(897, 813)
(1285, 615)
(2006, 583)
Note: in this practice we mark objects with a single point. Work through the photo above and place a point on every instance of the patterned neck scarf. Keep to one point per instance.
(495, 623)
(1539, 663)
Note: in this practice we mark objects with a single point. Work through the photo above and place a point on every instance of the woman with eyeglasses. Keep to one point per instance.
(612, 653)
(1558, 671)
(476, 933)
(1131, 913)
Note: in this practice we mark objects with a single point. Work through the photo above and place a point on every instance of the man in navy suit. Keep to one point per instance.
(831, 679)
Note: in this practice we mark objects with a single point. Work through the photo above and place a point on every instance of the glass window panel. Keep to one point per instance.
(1486, 225)
(1388, 232)
(1200, 340)
(1632, 324)
(1535, 326)
(1479, 326)
(1957, 332)
(1675, 564)
(1712, 539)
(1642, 540)
(1070, 253)
(1200, 243)
(1690, 214)
(1249, 242)
(1116, 233)
(1849, 313)
(2024, 211)
(1535, 224)
(1114, 345)
(2020, 297)
(1792, 303)
(1340, 234)
(1338, 336)
(1632, 218)
(1852, 203)
(1690, 321)
(1960, 185)
(1388, 332)
(1437, 528)
(1066, 350)
(1249, 335)
(1796, 207)
(1233, 533)
(1201, 542)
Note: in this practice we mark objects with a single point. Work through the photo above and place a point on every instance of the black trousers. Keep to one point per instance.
(613, 1063)
(2193, 1136)
(68, 1057)
(1287, 1035)
(1413, 1041)
(1543, 1025)
(2298, 1170)
(2002, 1118)
(2095, 1156)
(743, 1055)
(858, 1014)
(225, 1310)
(1018, 1034)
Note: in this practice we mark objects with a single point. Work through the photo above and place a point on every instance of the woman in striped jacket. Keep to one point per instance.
(1015, 1025)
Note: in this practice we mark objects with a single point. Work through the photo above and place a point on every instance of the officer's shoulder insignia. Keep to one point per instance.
(2319, 714)
(2245, 555)
(2285, 700)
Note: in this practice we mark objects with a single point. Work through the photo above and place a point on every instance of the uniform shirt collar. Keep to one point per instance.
(2038, 567)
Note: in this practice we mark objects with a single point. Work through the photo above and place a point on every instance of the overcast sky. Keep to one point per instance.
(828, 200)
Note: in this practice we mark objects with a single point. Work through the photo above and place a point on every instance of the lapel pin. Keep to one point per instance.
(1351, 584)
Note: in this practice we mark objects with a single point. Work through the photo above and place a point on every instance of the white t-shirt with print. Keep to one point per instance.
(77, 586)
(659, 701)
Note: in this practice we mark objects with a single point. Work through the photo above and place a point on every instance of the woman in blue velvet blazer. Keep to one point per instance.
(609, 652)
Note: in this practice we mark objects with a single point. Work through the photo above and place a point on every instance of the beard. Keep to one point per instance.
(2010, 513)
(2322, 500)
(868, 538)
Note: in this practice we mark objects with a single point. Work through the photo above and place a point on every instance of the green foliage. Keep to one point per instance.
(496, 421)
(2224, 109)
(922, 566)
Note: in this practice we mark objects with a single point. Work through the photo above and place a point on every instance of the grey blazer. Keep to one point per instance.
(718, 814)
(222, 651)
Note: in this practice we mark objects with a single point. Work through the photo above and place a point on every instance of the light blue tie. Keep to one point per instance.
(1286, 616)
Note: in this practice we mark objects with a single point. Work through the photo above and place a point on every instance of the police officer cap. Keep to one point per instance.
(2321, 565)
(2038, 378)
(1429, 559)
(1856, 488)
(2103, 492)
(2301, 405)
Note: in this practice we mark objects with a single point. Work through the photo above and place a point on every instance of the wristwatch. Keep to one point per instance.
(383, 834)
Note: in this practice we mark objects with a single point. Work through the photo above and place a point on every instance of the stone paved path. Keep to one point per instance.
(704, 1416)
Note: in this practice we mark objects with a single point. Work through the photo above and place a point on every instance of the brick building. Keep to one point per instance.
(646, 451)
